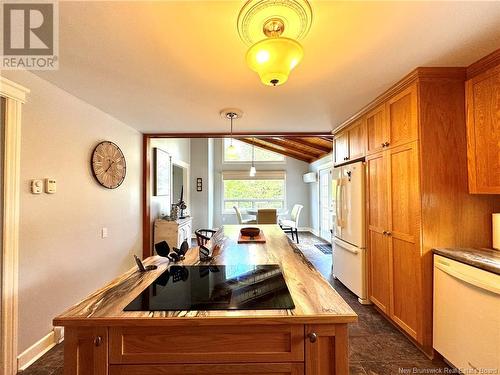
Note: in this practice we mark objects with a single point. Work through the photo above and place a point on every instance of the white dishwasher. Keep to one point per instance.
(467, 316)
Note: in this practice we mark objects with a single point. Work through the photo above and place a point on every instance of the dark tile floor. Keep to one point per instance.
(376, 347)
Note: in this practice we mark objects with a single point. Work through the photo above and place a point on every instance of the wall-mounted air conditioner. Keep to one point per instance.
(309, 177)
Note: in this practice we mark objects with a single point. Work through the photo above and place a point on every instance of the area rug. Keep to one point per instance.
(325, 248)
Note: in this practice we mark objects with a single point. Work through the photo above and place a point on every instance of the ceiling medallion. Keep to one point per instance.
(272, 28)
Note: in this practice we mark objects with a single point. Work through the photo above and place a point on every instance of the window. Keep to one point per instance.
(265, 190)
(244, 153)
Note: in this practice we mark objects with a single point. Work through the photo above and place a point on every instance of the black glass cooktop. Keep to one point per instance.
(238, 287)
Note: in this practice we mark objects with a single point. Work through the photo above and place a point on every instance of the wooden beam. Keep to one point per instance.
(238, 134)
(287, 144)
(327, 138)
(273, 148)
(319, 147)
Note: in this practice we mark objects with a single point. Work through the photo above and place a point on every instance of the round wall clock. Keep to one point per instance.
(108, 165)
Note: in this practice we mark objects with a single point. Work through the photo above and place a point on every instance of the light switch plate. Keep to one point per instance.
(104, 232)
(50, 186)
(36, 186)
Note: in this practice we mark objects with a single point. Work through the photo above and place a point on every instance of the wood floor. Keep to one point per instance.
(376, 347)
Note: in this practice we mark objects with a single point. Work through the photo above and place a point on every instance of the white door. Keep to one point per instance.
(325, 204)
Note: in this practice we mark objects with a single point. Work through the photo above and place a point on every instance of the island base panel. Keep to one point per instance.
(212, 369)
(86, 351)
(208, 344)
(315, 349)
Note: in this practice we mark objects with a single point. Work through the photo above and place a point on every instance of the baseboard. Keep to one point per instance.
(305, 229)
(38, 349)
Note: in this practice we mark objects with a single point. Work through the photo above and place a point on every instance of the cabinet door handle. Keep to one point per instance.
(386, 144)
(312, 337)
(382, 144)
(384, 233)
(388, 233)
(98, 341)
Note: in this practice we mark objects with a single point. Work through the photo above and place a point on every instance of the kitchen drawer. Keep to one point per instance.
(225, 369)
(220, 344)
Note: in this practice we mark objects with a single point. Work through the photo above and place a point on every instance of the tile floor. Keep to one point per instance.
(376, 347)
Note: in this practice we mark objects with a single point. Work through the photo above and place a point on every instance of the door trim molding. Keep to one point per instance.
(15, 96)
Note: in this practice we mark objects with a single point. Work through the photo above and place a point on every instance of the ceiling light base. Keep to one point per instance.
(228, 113)
(295, 17)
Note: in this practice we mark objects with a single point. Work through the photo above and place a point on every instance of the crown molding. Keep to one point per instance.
(482, 65)
(418, 74)
(12, 90)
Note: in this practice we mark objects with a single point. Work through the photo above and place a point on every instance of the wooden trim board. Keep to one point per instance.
(16, 95)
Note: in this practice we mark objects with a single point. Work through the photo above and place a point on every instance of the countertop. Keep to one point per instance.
(315, 299)
(486, 259)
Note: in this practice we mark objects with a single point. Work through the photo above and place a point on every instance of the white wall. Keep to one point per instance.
(324, 162)
(202, 167)
(296, 190)
(62, 256)
(180, 151)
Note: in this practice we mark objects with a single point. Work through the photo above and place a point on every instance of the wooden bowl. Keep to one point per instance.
(250, 231)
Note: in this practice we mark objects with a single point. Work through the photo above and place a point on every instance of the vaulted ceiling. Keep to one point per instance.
(307, 149)
(171, 66)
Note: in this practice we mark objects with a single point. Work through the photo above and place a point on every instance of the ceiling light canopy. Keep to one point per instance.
(272, 28)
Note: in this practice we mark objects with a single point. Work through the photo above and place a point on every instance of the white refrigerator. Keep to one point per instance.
(349, 249)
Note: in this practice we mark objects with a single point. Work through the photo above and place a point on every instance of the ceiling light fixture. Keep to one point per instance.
(253, 171)
(231, 114)
(272, 28)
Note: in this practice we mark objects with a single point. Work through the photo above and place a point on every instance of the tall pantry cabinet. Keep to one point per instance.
(417, 193)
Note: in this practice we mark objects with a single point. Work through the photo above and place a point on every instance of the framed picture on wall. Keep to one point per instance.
(162, 163)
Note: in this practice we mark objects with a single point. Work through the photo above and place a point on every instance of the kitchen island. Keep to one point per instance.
(101, 338)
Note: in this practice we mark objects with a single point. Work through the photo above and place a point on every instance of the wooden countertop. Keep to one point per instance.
(485, 259)
(315, 300)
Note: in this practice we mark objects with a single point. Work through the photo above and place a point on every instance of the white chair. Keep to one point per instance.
(240, 218)
(292, 225)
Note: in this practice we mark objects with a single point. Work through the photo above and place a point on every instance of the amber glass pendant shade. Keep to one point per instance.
(274, 58)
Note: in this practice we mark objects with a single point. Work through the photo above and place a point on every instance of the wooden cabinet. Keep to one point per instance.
(378, 243)
(210, 369)
(226, 344)
(341, 147)
(277, 349)
(393, 232)
(350, 144)
(174, 232)
(356, 136)
(401, 120)
(416, 190)
(403, 234)
(375, 130)
(483, 132)
(325, 345)
(86, 351)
